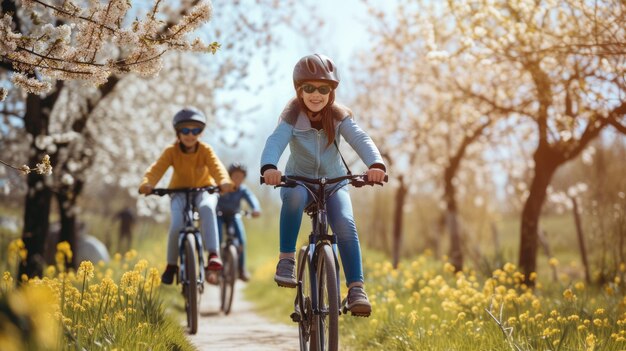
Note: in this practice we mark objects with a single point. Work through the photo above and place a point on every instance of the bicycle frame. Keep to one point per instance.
(319, 215)
(189, 227)
(319, 236)
(229, 226)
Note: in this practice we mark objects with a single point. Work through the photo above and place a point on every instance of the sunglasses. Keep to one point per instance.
(310, 89)
(194, 131)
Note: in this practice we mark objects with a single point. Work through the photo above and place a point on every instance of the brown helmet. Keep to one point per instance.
(315, 67)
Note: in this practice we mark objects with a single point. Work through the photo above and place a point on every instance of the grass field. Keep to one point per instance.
(422, 305)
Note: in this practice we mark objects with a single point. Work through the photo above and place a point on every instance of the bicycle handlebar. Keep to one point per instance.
(165, 191)
(357, 180)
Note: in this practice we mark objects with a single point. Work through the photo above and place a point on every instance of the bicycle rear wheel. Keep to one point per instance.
(190, 283)
(229, 277)
(325, 336)
(303, 312)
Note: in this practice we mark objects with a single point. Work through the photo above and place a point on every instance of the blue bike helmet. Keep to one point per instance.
(188, 114)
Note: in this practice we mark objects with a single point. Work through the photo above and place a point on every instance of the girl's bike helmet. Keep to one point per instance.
(315, 67)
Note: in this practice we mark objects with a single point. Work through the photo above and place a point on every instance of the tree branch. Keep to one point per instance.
(73, 15)
(615, 114)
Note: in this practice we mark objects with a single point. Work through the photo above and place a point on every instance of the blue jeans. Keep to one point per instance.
(340, 218)
(240, 234)
(205, 203)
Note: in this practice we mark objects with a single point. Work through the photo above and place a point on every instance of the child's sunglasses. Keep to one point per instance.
(194, 131)
(310, 89)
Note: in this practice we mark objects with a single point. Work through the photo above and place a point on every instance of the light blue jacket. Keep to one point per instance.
(310, 155)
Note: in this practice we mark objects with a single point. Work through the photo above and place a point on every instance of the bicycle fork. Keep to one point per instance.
(314, 278)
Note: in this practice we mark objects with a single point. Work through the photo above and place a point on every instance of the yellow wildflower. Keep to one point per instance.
(141, 265)
(509, 267)
(130, 255)
(85, 270)
(553, 262)
(536, 304)
(568, 295)
(590, 341)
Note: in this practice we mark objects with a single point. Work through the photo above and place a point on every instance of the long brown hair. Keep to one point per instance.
(327, 114)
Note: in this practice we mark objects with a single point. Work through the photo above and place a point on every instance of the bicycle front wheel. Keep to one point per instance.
(325, 337)
(190, 283)
(229, 277)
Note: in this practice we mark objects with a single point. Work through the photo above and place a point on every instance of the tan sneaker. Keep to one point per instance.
(357, 302)
(286, 273)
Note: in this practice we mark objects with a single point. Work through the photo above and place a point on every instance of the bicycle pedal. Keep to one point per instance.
(364, 315)
(283, 285)
(295, 316)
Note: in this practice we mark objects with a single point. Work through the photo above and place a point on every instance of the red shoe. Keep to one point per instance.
(215, 263)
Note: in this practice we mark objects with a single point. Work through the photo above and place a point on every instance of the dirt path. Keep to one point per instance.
(242, 329)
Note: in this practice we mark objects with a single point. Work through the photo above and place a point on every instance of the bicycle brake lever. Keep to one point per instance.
(358, 183)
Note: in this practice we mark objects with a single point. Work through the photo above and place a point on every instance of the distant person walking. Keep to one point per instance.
(127, 221)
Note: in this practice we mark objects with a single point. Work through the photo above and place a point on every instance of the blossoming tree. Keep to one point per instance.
(433, 126)
(50, 47)
(563, 63)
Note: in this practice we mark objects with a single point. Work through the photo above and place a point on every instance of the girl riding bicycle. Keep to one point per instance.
(312, 124)
(195, 164)
(230, 205)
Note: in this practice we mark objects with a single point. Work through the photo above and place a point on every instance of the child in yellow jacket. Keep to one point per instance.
(195, 164)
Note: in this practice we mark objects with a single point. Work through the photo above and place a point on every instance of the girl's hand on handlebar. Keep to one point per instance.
(256, 214)
(146, 189)
(375, 175)
(272, 176)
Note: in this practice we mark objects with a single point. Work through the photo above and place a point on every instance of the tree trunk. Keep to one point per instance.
(39, 194)
(69, 225)
(398, 217)
(581, 240)
(543, 240)
(546, 163)
(455, 254)
(449, 196)
(36, 224)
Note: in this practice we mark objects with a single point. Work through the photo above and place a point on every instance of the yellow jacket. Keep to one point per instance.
(198, 169)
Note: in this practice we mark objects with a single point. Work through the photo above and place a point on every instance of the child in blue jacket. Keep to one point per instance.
(228, 208)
